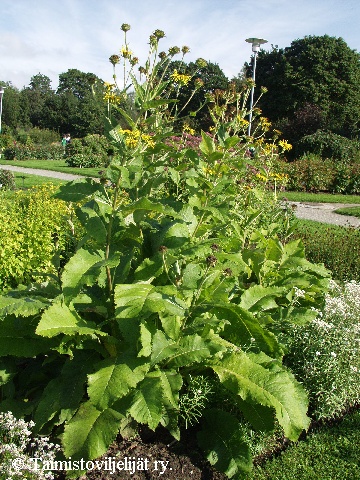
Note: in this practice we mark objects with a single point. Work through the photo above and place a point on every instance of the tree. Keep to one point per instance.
(211, 78)
(82, 103)
(33, 99)
(316, 70)
(11, 114)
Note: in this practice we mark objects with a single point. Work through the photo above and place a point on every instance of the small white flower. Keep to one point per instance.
(333, 354)
(317, 353)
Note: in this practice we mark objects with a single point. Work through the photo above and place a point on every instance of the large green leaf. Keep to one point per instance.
(243, 329)
(130, 298)
(258, 298)
(222, 440)
(142, 298)
(193, 349)
(114, 378)
(17, 337)
(207, 145)
(77, 190)
(61, 319)
(65, 392)
(74, 275)
(274, 388)
(90, 432)
(93, 220)
(147, 404)
(23, 306)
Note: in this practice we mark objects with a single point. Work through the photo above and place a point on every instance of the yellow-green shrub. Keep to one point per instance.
(34, 227)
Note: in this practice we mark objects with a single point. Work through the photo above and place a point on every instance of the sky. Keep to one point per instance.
(51, 37)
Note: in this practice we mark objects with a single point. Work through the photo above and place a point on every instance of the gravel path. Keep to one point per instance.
(41, 173)
(320, 212)
(324, 212)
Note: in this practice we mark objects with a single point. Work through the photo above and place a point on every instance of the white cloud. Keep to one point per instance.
(49, 36)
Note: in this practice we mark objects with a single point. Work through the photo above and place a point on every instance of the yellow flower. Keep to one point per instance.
(285, 145)
(188, 129)
(125, 52)
(148, 139)
(179, 78)
(264, 122)
(243, 123)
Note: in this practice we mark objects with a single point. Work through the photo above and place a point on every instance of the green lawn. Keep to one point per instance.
(28, 181)
(54, 165)
(328, 453)
(354, 211)
(319, 197)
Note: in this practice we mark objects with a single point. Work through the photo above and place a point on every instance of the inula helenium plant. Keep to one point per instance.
(180, 273)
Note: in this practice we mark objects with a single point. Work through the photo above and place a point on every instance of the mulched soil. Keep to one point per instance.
(183, 460)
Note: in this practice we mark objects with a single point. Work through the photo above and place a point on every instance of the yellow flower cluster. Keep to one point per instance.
(132, 138)
(110, 95)
(285, 145)
(180, 78)
(265, 124)
(188, 129)
(242, 122)
(125, 52)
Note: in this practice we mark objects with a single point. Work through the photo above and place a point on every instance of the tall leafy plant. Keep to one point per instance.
(176, 276)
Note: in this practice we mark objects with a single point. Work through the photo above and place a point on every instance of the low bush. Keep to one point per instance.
(329, 145)
(34, 228)
(19, 448)
(336, 247)
(324, 354)
(7, 180)
(37, 136)
(90, 151)
(18, 151)
(311, 173)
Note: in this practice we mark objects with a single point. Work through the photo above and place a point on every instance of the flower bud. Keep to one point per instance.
(114, 59)
(125, 27)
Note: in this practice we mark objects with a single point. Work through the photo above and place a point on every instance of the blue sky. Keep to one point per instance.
(49, 37)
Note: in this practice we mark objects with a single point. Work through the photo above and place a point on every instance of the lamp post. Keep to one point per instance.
(1, 97)
(256, 43)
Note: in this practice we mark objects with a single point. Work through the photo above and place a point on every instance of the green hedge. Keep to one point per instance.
(311, 173)
(34, 228)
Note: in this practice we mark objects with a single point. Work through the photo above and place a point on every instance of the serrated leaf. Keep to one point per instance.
(90, 432)
(147, 404)
(276, 389)
(162, 347)
(61, 319)
(114, 378)
(149, 269)
(172, 383)
(147, 330)
(222, 440)
(96, 228)
(25, 306)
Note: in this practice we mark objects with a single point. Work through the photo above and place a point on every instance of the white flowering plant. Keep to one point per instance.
(324, 354)
(19, 448)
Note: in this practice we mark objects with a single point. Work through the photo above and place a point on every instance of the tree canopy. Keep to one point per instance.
(319, 71)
